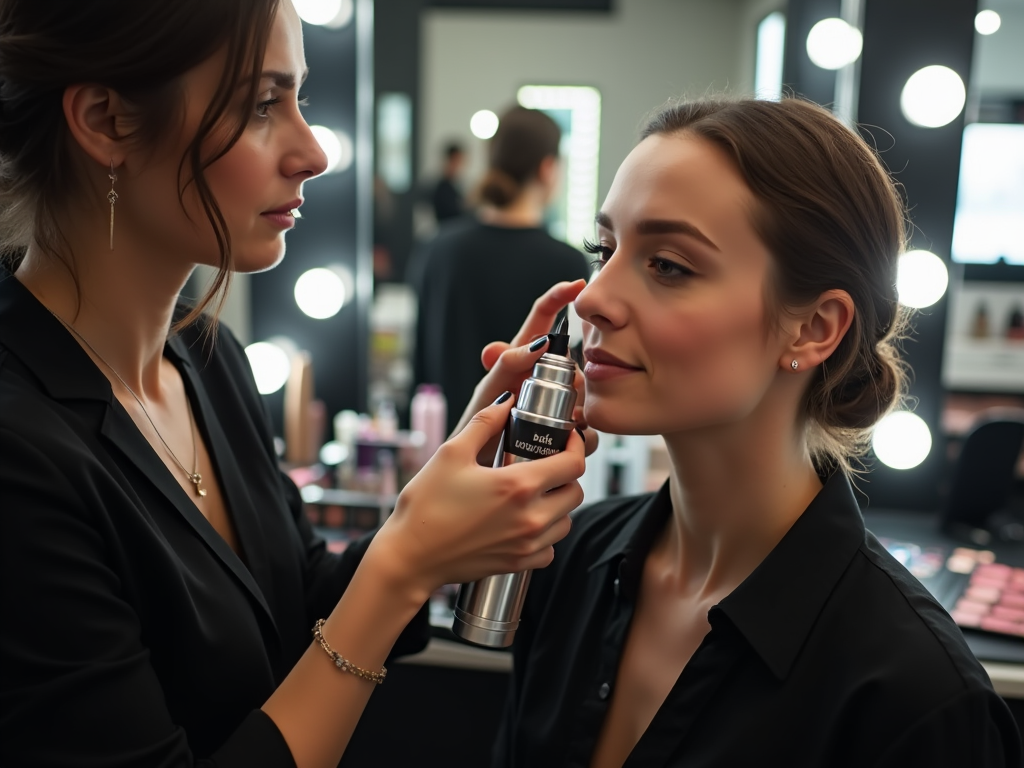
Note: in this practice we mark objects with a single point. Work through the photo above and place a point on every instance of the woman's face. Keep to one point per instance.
(257, 182)
(675, 334)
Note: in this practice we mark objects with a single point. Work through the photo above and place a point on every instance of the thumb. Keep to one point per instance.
(485, 425)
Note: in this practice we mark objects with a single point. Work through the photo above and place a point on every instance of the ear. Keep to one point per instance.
(822, 326)
(98, 120)
(547, 171)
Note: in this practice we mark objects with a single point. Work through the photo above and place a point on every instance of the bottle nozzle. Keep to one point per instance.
(558, 341)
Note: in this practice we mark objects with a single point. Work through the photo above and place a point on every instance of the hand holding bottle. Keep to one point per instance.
(457, 521)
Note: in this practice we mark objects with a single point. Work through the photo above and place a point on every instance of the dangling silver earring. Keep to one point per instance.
(794, 365)
(112, 197)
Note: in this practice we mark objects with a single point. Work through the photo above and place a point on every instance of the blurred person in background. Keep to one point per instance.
(447, 197)
(479, 277)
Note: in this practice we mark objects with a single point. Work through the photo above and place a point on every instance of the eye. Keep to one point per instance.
(602, 251)
(263, 107)
(668, 269)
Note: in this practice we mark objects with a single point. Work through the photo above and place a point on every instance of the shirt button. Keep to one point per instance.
(615, 587)
(603, 691)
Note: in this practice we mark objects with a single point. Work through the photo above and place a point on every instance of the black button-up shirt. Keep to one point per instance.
(829, 654)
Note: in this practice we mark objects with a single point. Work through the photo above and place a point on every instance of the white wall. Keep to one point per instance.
(999, 59)
(638, 56)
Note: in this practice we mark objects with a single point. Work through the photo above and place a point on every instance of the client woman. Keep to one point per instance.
(746, 311)
(158, 581)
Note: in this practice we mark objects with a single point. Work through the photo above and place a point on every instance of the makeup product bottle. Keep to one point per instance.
(429, 416)
(487, 611)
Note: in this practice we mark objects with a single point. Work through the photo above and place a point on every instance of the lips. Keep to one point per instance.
(602, 365)
(290, 208)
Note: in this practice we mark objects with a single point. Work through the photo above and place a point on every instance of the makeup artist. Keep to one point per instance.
(163, 600)
(746, 310)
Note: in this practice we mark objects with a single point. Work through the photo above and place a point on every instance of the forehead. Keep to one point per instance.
(679, 176)
(285, 51)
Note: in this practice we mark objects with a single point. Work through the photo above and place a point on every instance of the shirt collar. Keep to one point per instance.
(776, 606)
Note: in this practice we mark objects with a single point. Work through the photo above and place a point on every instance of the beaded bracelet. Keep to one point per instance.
(341, 662)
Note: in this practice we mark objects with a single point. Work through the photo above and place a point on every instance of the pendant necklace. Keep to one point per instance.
(194, 477)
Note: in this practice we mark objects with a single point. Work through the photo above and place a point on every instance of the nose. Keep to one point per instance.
(604, 302)
(307, 158)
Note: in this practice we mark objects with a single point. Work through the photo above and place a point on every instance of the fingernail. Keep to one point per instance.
(579, 432)
(539, 343)
(503, 397)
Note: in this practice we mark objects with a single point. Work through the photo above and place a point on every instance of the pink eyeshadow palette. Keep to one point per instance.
(993, 600)
(978, 592)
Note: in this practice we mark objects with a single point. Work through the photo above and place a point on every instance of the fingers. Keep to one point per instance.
(490, 354)
(545, 309)
(485, 425)
(551, 472)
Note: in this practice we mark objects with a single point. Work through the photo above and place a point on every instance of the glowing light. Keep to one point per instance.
(270, 366)
(987, 22)
(337, 145)
(484, 124)
(771, 42)
(833, 43)
(921, 279)
(933, 97)
(580, 150)
(333, 14)
(902, 440)
(321, 293)
(333, 453)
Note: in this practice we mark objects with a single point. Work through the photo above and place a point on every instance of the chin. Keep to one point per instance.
(612, 418)
(252, 260)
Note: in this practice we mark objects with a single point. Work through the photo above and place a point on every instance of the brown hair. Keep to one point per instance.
(832, 218)
(141, 50)
(524, 139)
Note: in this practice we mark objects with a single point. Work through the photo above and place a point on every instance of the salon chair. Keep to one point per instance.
(977, 508)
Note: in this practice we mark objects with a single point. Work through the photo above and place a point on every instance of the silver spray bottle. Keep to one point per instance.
(487, 611)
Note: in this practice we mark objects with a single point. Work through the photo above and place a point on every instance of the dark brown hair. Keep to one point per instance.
(832, 218)
(525, 137)
(141, 50)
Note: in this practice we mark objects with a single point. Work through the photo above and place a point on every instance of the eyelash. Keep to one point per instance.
(603, 252)
(263, 107)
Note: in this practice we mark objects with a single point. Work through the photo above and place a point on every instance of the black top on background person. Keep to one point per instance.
(479, 276)
(478, 279)
(829, 654)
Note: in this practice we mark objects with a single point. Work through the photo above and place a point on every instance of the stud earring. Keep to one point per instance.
(794, 365)
(112, 198)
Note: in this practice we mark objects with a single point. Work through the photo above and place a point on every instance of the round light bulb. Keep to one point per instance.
(832, 43)
(336, 145)
(987, 22)
(484, 124)
(921, 279)
(270, 366)
(320, 293)
(325, 13)
(902, 440)
(933, 97)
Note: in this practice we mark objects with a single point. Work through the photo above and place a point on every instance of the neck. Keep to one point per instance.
(123, 302)
(527, 210)
(735, 494)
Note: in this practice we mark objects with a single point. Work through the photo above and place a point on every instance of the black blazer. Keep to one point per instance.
(132, 635)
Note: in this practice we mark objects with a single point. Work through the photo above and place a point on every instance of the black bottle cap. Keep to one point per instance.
(558, 342)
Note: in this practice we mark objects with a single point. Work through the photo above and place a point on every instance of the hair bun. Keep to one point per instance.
(498, 188)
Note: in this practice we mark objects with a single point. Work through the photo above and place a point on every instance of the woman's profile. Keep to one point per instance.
(165, 601)
(745, 309)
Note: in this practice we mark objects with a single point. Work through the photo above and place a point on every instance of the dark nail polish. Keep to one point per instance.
(539, 344)
(503, 397)
(579, 432)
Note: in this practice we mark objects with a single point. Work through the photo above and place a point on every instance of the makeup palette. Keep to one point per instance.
(978, 592)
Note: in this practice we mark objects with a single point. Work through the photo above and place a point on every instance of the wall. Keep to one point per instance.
(638, 56)
(999, 59)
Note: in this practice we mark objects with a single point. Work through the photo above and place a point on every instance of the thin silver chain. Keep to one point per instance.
(194, 477)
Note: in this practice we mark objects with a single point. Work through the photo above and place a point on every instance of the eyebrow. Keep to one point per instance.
(661, 227)
(284, 80)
